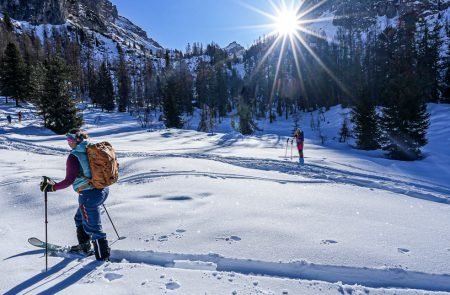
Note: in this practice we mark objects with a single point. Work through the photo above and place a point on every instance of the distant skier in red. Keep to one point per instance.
(300, 139)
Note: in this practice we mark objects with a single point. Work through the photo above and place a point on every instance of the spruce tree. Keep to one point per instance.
(105, 89)
(246, 124)
(8, 23)
(124, 85)
(405, 119)
(56, 106)
(366, 121)
(12, 74)
(171, 110)
(446, 85)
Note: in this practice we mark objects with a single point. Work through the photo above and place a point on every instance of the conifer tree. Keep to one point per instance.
(171, 110)
(366, 122)
(105, 89)
(12, 74)
(123, 84)
(8, 23)
(57, 108)
(246, 124)
(405, 119)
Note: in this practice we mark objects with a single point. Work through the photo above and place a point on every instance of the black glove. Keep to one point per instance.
(47, 185)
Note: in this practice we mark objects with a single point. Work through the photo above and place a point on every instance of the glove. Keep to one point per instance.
(47, 185)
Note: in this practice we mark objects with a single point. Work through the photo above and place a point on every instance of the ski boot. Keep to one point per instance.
(101, 249)
(84, 242)
(301, 162)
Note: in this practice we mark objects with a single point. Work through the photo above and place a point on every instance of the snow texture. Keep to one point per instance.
(228, 214)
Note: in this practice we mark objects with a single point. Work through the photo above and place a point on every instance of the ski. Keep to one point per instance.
(53, 248)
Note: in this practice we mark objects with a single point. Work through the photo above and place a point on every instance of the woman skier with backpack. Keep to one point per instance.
(87, 217)
(300, 139)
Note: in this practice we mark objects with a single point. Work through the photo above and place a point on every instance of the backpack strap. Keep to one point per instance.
(84, 186)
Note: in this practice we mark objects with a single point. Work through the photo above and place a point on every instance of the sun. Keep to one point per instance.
(287, 22)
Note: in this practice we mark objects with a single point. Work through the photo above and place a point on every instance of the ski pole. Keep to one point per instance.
(118, 237)
(46, 222)
(292, 147)
(287, 145)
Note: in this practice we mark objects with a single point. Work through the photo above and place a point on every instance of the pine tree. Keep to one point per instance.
(167, 59)
(57, 108)
(105, 89)
(123, 85)
(246, 124)
(405, 119)
(8, 23)
(12, 74)
(366, 121)
(446, 85)
(35, 83)
(171, 111)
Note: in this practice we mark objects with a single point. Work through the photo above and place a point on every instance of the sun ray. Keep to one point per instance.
(322, 64)
(312, 33)
(266, 55)
(316, 20)
(297, 63)
(261, 12)
(288, 31)
(277, 71)
(311, 9)
(275, 7)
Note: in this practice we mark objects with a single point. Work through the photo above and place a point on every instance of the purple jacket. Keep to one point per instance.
(72, 171)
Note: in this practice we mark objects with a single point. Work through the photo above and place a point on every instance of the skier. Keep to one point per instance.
(300, 138)
(9, 119)
(87, 217)
(19, 116)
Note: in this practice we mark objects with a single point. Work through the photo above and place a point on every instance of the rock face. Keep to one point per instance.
(235, 48)
(100, 16)
(36, 11)
(361, 14)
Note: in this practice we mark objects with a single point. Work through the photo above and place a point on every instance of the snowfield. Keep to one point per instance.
(228, 214)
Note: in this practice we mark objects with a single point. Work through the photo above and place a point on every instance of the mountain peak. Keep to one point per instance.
(235, 48)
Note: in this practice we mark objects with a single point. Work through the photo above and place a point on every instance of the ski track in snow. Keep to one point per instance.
(297, 270)
(369, 277)
(410, 187)
(311, 173)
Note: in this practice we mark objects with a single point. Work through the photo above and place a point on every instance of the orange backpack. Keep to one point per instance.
(103, 163)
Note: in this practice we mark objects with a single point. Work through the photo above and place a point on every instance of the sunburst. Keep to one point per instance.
(289, 26)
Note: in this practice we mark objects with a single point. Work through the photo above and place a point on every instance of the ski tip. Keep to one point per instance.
(32, 239)
(122, 238)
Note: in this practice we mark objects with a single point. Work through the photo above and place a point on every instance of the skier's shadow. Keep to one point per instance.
(39, 280)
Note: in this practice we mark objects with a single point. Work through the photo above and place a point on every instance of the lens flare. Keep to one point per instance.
(287, 22)
(289, 27)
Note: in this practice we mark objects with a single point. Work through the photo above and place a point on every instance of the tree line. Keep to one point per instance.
(386, 77)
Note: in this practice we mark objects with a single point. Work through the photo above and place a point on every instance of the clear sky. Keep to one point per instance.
(174, 23)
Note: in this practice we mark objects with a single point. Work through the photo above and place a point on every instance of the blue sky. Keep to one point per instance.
(174, 23)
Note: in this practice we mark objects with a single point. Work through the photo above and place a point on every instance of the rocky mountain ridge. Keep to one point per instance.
(99, 16)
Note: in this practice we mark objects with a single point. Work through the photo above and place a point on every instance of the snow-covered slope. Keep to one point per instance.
(227, 214)
(99, 20)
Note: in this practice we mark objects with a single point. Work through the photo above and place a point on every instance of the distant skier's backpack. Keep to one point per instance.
(103, 163)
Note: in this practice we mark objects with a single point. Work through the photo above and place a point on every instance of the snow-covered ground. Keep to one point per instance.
(227, 214)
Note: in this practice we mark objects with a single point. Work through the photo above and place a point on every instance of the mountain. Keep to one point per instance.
(360, 15)
(94, 16)
(235, 48)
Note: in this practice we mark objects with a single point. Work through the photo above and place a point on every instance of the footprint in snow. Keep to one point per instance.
(328, 242)
(112, 276)
(229, 239)
(163, 239)
(172, 285)
(403, 250)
